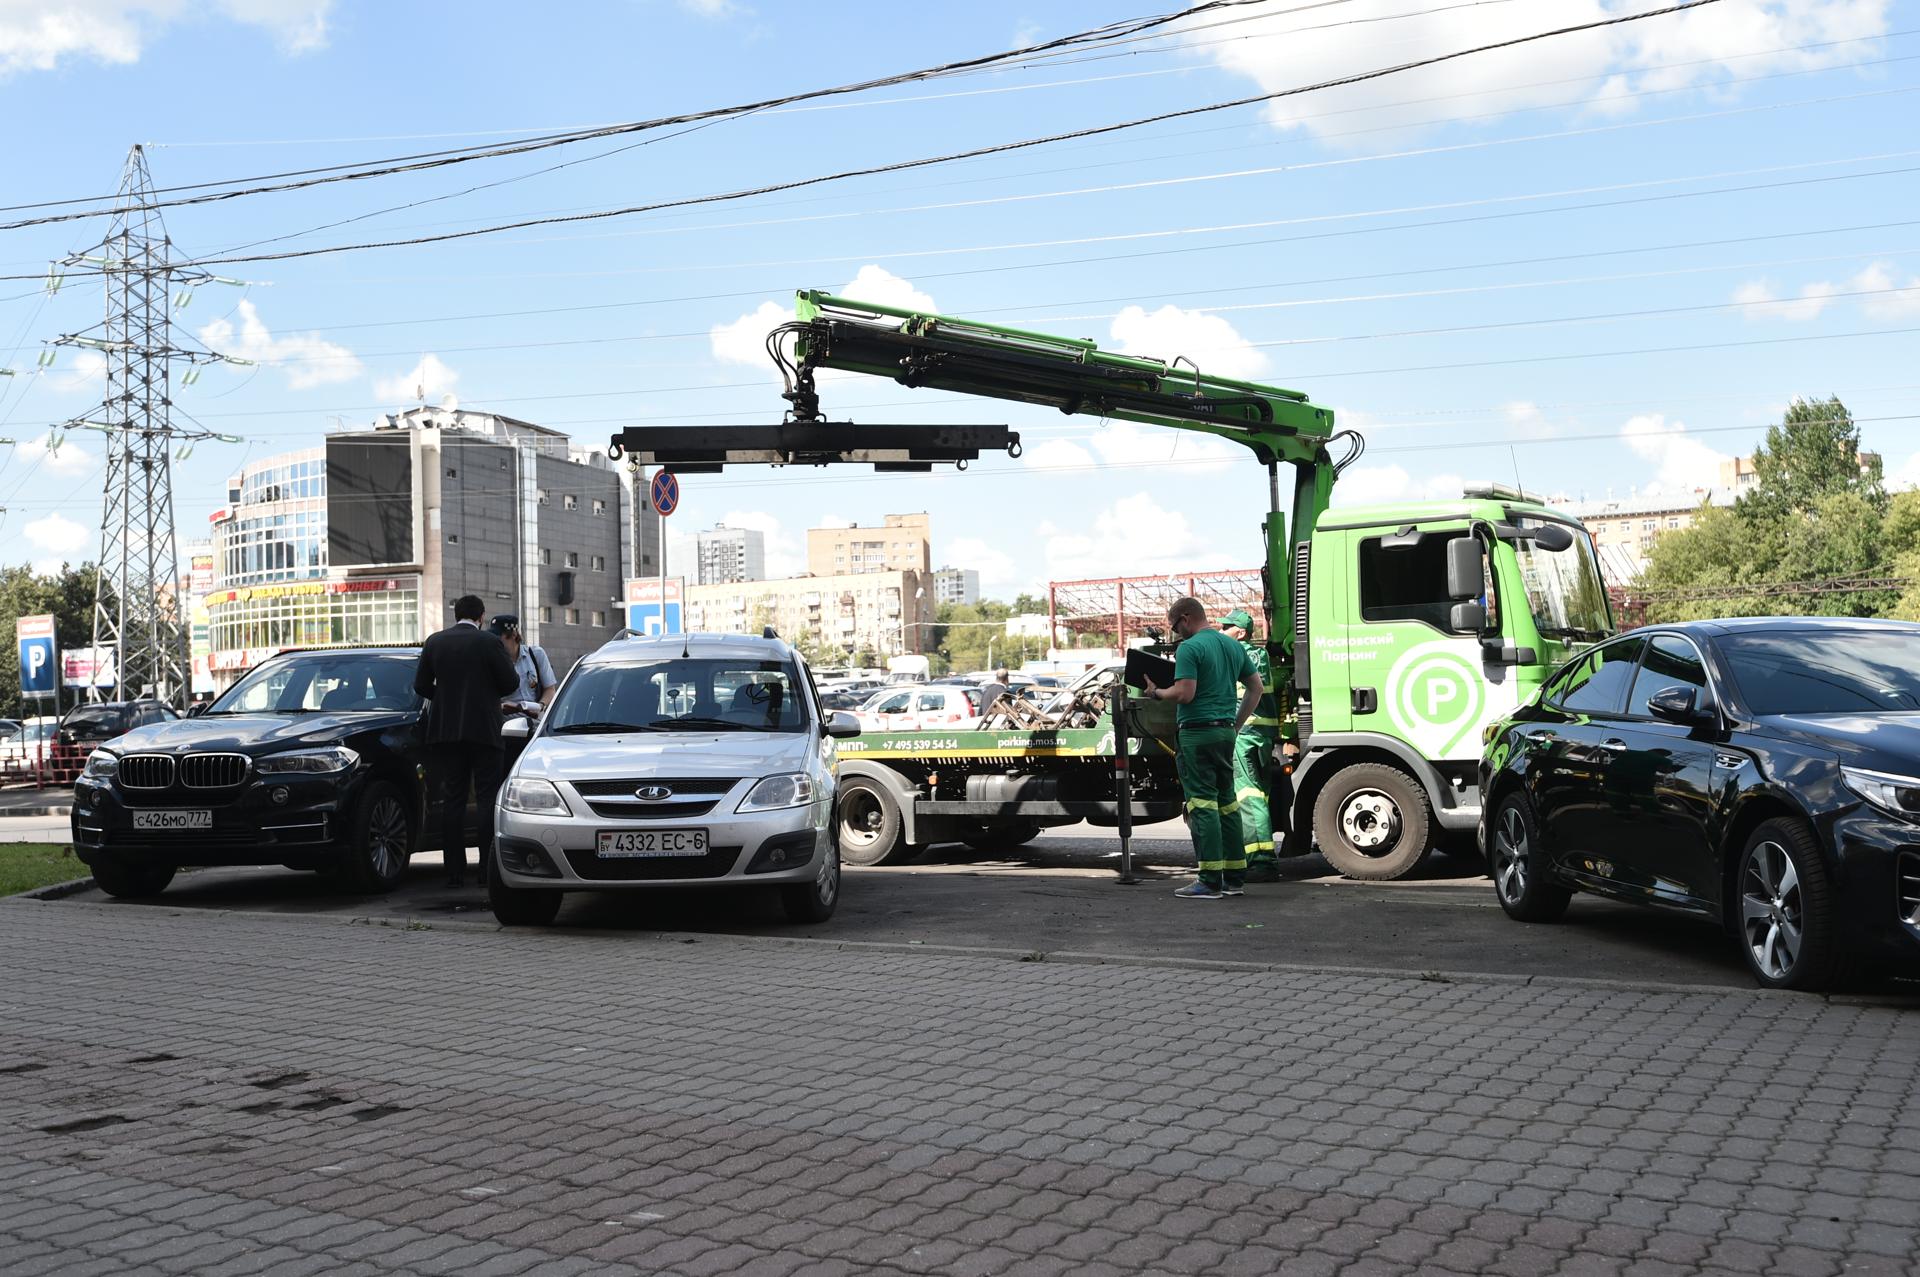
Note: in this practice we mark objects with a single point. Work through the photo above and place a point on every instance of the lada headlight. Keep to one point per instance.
(533, 797)
(794, 789)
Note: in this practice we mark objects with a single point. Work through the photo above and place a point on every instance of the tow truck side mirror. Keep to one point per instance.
(1466, 578)
(1467, 618)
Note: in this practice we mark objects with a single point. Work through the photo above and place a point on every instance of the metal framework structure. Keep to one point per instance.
(1120, 605)
(137, 606)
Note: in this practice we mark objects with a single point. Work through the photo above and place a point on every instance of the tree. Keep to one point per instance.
(1813, 452)
(23, 592)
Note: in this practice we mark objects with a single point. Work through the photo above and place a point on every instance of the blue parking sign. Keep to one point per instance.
(39, 660)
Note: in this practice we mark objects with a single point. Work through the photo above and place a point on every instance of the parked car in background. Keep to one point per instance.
(1763, 773)
(86, 726)
(29, 749)
(313, 760)
(689, 761)
(920, 707)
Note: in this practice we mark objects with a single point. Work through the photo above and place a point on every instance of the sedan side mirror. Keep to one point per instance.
(1681, 705)
(196, 709)
(517, 727)
(841, 724)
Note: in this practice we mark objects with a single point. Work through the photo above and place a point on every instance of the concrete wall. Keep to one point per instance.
(582, 533)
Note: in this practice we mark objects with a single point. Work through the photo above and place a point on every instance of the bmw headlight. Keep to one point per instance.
(533, 797)
(103, 766)
(306, 762)
(1896, 795)
(794, 789)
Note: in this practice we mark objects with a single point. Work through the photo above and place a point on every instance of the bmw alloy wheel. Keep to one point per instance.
(1772, 911)
(387, 836)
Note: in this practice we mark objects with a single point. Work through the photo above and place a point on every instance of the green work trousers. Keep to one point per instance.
(1252, 760)
(1213, 813)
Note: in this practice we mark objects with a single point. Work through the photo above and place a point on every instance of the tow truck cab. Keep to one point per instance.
(1415, 626)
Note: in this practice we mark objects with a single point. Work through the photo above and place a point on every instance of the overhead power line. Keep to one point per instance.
(950, 157)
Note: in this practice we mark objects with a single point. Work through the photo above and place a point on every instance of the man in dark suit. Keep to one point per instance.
(464, 672)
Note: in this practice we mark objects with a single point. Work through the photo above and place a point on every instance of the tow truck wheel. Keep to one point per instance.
(869, 824)
(1372, 822)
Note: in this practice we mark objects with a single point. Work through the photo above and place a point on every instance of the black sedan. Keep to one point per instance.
(313, 760)
(1764, 773)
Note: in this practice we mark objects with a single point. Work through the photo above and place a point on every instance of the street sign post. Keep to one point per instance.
(39, 657)
(664, 495)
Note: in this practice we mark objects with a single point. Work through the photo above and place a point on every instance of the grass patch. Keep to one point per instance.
(26, 865)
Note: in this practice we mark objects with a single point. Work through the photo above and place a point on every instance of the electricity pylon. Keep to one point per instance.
(137, 611)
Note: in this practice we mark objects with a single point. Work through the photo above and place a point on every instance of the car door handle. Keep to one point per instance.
(1614, 746)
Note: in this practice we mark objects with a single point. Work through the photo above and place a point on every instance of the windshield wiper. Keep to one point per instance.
(583, 728)
(713, 724)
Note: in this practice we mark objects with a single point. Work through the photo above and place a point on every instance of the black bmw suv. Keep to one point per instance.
(313, 760)
(1761, 772)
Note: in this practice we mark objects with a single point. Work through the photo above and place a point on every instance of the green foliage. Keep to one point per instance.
(69, 596)
(1814, 515)
(27, 865)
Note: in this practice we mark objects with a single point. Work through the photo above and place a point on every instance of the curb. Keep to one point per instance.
(1894, 1001)
(57, 890)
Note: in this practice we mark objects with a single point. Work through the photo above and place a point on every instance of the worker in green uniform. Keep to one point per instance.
(1208, 668)
(1253, 755)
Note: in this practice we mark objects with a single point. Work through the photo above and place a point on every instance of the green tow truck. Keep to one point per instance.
(1396, 633)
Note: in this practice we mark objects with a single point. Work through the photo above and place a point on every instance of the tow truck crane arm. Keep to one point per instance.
(1073, 375)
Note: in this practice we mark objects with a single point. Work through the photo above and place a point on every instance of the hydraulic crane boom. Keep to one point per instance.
(1075, 376)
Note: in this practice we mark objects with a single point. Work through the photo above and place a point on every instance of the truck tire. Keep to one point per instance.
(1373, 823)
(123, 881)
(870, 823)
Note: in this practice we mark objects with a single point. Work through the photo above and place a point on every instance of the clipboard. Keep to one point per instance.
(1143, 664)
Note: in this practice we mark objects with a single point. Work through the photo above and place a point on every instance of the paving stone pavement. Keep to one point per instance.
(210, 1094)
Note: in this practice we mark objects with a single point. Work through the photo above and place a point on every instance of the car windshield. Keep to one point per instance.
(1564, 590)
(697, 693)
(1825, 671)
(337, 682)
(95, 719)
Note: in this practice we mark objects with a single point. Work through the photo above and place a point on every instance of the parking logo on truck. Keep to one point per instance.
(1434, 696)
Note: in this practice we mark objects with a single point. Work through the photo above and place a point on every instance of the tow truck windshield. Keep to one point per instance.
(1564, 591)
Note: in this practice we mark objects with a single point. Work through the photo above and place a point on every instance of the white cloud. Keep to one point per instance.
(1762, 301)
(36, 36)
(1374, 485)
(77, 370)
(68, 458)
(57, 538)
(1171, 332)
(1057, 454)
(744, 340)
(1696, 48)
(1907, 476)
(713, 8)
(833, 521)
(1135, 536)
(1880, 277)
(428, 380)
(786, 556)
(997, 570)
(1681, 462)
(308, 359)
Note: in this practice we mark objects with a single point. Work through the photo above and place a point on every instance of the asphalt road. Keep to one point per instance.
(1058, 896)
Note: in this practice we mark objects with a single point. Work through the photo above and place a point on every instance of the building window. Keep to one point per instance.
(573, 616)
(573, 558)
(1673, 523)
(570, 502)
(452, 473)
(546, 555)
(599, 506)
(546, 616)
(453, 538)
(599, 562)
(599, 620)
(542, 494)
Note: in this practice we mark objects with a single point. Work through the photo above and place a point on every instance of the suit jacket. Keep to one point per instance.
(464, 672)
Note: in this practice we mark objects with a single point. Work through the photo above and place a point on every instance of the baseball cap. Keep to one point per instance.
(1238, 617)
(504, 623)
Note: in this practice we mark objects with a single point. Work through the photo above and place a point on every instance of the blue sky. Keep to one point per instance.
(1600, 262)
